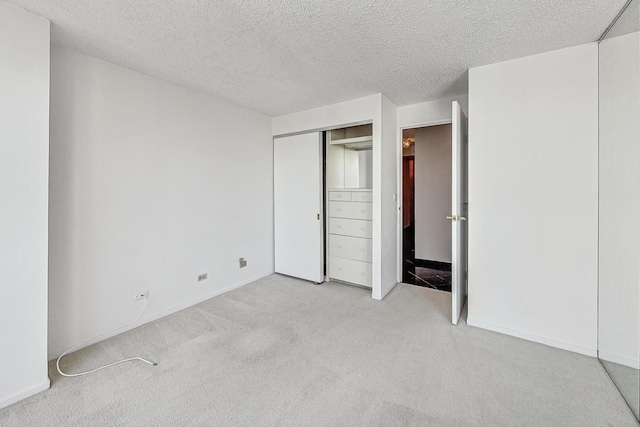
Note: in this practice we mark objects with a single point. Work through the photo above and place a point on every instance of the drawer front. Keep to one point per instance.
(343, 196)
(362, 196)
(350, 227)
(350, 271)
(353, 248)
(352, 210)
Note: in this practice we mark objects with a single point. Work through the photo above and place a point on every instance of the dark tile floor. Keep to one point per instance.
(430, 274)
(431, 278)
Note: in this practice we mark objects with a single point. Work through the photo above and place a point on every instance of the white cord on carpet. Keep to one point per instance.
(111, 364)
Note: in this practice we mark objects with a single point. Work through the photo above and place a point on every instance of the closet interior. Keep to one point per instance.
(349, 196)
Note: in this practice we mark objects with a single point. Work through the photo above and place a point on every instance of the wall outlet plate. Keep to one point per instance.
(141, 294)
(202, 277)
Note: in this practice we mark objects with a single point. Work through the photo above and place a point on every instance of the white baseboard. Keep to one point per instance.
(535, 338)
(620, 360)
(25, 393)
(56, 353)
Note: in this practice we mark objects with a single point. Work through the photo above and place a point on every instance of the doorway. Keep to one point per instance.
(426, 201)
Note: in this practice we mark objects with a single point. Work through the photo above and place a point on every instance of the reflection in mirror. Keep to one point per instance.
(334, 173)
(358, 168)
(619, 180)
(349, 155)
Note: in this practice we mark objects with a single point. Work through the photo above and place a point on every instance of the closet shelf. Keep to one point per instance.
(357, 139)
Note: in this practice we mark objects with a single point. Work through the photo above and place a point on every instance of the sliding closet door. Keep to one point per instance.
(298, 206)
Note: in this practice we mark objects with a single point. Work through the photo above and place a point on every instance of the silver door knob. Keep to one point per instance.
(452, 218)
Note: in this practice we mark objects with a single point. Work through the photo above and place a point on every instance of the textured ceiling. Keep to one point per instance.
(283, 56)
(628, 22)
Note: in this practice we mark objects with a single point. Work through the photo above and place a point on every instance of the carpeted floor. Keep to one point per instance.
(280, 351)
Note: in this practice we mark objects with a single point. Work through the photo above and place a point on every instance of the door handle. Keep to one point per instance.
(453, 218)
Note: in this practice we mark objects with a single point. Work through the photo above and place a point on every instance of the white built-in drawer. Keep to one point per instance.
(354, 248)
(350, 271)
(362, 196)
(343, 196)
(350, 227)
(352, 210)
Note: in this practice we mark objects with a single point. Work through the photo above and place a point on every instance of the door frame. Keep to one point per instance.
(325, 192)
(400, 188)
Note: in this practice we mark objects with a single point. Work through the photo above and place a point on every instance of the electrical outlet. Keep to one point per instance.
(141, 294)
(202, 277)
(243, 262)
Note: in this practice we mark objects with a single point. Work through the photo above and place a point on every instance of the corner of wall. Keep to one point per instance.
(24, 166)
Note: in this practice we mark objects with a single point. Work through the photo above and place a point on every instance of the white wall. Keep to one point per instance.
(356, 111)
(619, 261)
(533, 188)
(24, 170)
(151, 185)
(379, 111)
(430, 112)
(432, 195)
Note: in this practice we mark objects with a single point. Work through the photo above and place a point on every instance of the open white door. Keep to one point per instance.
(459, 209)
(297, 180)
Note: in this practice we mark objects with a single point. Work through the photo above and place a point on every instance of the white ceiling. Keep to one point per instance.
(282, 56)
(628, 22)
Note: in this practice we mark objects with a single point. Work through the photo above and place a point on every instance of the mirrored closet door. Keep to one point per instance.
(619, 204)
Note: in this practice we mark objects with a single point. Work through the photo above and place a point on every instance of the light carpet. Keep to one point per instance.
(281, 351)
